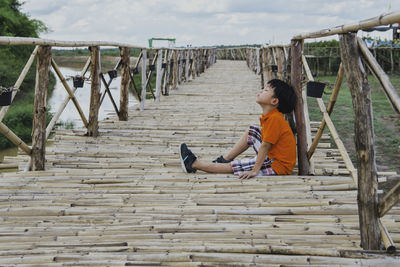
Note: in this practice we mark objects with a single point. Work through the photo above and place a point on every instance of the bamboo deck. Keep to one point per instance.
(122, 199)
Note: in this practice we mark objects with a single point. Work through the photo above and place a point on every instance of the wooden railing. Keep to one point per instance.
(289, 63)
(235, 53)
(171, 67)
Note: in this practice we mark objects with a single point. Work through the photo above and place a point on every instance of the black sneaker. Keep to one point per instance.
(221, 159)
(187, 158)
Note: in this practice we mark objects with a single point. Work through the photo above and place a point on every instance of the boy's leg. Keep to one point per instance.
(212, 167)
(240, 147)
(190, 163)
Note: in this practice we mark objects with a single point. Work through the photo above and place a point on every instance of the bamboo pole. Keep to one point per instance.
(382, 77)
(149, 76)
(364, 141)
(327, 120)
(71, 94)
(144, 62)
(107, 90)
(159, 74)
(296, 78)
(124, 89)
(93, 125)
(6, 40)
(39, 109)
(332, 101)
(387, 240)
(19, 81)
(307, 115)
(14, 138)
(57, 115)
(389, 200)
(338, 141)
(387, 18)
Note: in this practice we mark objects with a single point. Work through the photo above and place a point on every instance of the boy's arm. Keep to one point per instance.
(261, 156)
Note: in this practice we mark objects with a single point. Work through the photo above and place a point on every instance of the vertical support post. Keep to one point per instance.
(144, 67)
(258, 69)
(95, 69)
(296, 80)
(159, 74)
(166, 83)
(125, 78)
(175, 70)
(364, 142)
(263, 67)
(194, 63)
(187, 65)
(39, 109)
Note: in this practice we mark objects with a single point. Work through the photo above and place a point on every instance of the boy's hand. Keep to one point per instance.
(247, 175)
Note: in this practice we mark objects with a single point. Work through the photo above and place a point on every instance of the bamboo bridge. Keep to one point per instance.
(113, 193)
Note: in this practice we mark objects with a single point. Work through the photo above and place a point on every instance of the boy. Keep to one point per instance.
(273, 142)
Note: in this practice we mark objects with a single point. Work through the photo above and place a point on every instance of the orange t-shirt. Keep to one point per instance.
(276, 130)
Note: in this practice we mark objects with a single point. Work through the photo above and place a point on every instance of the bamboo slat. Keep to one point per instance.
(122, 198)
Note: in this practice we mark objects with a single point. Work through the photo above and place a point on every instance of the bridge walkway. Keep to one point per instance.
(122, 199)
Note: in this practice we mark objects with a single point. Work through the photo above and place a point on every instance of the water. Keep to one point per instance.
(70, 113)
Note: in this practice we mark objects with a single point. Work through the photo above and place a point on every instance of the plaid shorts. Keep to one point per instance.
(244, 165)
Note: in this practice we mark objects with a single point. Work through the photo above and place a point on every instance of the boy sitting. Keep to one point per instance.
(273, 142)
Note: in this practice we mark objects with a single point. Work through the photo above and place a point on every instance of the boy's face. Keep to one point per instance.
(267, 96)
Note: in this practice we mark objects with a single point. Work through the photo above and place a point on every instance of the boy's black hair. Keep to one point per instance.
(286, 95)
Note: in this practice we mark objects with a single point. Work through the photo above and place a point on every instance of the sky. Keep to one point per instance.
(199, 22)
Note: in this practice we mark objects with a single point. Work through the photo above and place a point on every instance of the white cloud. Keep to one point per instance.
(197, 22)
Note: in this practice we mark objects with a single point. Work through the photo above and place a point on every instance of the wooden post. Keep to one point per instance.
(159, 74)
(175, 70)
(194, 64)
(167, 72)
(95, 69)
(144, 78)
(124, 90)
(263, 67)
(296, 79)
(39, 109)
(187, 65)
(364, 142)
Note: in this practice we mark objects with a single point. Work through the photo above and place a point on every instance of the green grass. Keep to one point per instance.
(386, 121)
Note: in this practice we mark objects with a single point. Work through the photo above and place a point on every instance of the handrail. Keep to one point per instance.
(199, 61)
(388, 18)
(365, 177)
(9, 40)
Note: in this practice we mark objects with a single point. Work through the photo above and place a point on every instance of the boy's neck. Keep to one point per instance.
(266, 109)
